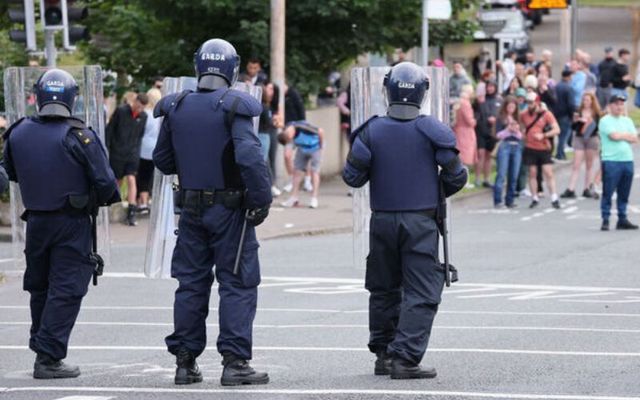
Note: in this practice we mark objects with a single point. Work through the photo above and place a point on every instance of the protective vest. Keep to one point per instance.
(404, 173)
(47, 172)
(203, 144)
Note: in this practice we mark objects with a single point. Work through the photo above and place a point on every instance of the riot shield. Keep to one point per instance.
(163, 224)
(20, 102)
(367, 100)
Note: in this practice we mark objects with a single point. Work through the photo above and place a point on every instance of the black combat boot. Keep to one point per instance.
(383, 363)
(46, 367)
(625, 224)
(131, 215)
(238, 372)
(403, 369)
(187, 371)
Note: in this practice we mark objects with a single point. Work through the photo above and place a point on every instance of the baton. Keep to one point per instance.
(445, 234)
(236, 266)
(95, 257)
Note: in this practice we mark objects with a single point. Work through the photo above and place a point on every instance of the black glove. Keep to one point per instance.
(256, 216)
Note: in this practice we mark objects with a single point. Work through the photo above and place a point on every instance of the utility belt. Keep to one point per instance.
(76, 205)
(429, 212)
(203, 199)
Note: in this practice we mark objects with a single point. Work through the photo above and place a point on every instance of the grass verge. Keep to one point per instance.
(608, 3)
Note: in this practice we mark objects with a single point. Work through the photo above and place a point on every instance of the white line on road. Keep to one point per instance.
(355, 326)
(328, 311)
(570, 210)
(315, 392)
(359, 349)
(86, 398)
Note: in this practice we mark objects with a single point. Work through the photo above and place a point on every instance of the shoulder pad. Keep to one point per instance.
(237, 102)
(438, 133)
(168, 102)
(85, 135)
(358, 130)
(6, 134)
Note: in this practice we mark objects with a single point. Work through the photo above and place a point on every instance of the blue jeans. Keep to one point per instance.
(617, 176)
(565, 132)
(265, 144)
(508, 162)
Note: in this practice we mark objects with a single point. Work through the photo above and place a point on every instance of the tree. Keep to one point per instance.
(143, 38)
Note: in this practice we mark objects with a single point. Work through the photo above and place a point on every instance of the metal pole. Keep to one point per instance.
(425, 34)
(50, 51)
(574, 27)
(30, 24)
(278, 19)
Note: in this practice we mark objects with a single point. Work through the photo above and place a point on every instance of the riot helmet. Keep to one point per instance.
(56, 92)
(217, 64)
(406, 85)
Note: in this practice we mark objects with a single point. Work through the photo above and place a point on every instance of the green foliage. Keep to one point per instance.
(144, 38)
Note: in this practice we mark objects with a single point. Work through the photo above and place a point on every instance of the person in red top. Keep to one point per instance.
(540, 127)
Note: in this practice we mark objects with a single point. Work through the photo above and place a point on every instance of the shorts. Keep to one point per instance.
(144, 179)
(579, 143)
(122, 168)
(486, 143)
(536, 157)
(301, 161)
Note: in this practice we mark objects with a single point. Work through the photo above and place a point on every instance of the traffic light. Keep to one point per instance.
(22, 12)
(74, 33)
(52, 13)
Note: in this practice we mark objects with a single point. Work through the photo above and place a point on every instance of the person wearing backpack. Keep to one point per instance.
(308, 140)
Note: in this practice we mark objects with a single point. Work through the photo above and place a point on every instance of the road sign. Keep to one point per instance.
(548, 4)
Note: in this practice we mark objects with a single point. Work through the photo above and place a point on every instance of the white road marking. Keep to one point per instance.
(310, 392)
(525, 219)
(351, 326)
(86, 398)
(359, 349)
(5, 260)
(570, 210)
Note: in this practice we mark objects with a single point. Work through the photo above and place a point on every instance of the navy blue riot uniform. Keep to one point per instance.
(62, 169)
(400, 156)
(207, 138)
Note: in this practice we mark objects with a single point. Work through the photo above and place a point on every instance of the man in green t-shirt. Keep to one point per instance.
(617, 133)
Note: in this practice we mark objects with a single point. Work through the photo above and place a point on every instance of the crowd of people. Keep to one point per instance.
(132, 133)
(528, 121)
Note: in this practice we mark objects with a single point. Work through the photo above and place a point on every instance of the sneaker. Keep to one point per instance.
(487, 185)
(288, 187)
(525, 192)
(313, 203)
(131, 216)
(291, 202)
(143, 210)
(307, 186)
(590, 194)
(469, 186)
(605, 225)
(556, 204)
(625, 224)
(534, 204)
(512, 205)
(569, 194)
(275, 192)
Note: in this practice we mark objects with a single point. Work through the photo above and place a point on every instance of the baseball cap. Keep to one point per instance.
(521, 92)
(608, 49)
(617, 97)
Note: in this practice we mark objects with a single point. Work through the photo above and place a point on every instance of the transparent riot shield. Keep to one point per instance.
(20, 102)
(367, 100)
(163, 225)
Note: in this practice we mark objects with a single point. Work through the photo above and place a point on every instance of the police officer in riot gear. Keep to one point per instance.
(400, 155)
(63, 173)
(207, 138)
